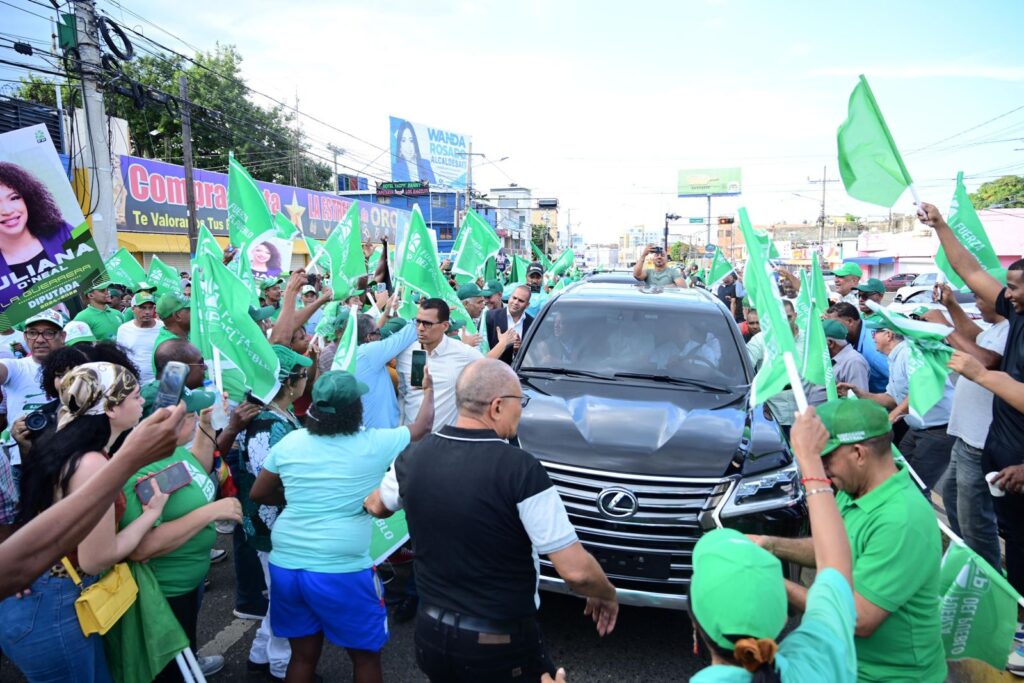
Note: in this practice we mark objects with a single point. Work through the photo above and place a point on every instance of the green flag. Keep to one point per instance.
(345, 357)
(284, 229)
(345, 250)
(965, 224)
(207, 243)
(387, 536)
(563, 263)
(163, 277)
(477, 243)
(491, 269)
(978, 608)
(519, 266)
(197, 333)
(248, 215)
(926, 363)
(778, 337)
(819, 292)
(720, 267)
(815, 361)
(122, 268)
(540, 256)
(226, 322)
(240, 268)
(318, 256)
(869, 163)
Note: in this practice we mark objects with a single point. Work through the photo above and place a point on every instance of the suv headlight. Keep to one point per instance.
(766, 491)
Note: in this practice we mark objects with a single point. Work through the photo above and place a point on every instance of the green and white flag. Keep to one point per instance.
(207, 243)
(197, 333)
(284, 229)
(345, 357)
(229, 328)
(819, 291)
(720, 267)
(563, 263)
(163, 277)
(240, 268)
(926, 364)
(978, 608)
(477, 242)
(344, 247)
(122, 268)
(869, 163)
(965, 224)
(540, 256)
(815, 361)
(780, 349)
(248, 215)
(387, 536)
(318, 256)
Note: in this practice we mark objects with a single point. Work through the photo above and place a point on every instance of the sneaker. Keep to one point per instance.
(239, 614)
(216, 555)
(210, 665)
(225, 527)
(1015, 664)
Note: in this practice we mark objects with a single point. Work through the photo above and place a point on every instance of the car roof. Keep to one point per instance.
(638, 293)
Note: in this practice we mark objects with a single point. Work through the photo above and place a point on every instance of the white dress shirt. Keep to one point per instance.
(445, 363)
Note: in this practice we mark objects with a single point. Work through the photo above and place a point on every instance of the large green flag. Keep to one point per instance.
(207, 243)
(540, 256)
(965, 224)
(819, 292)
(767, 249)
(248, 215)
(978, 608)
(345, 357)
(869, 163)
(477, 243)
(565, 261)
(720, 267)
(345, 249)
(284, 229)
(519, 266)
(926, 364)
(815, 361)
(197, 333)
(778, 337)
(240, 268)
(491, 269)
(226, 321)
(163, 277)
(122, 268)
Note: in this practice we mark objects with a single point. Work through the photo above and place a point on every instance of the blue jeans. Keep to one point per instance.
(40, 634)
(969, 504)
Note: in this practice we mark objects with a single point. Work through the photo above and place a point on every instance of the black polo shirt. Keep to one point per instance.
(480, 511)
(1005, 436)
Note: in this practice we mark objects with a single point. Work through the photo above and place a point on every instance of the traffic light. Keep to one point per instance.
(726, 220)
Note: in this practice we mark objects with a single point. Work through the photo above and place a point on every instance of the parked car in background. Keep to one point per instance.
(894, 282)
(924, 299)
(924, 281)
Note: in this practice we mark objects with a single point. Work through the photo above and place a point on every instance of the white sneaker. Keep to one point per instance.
(216, 555)
(248, 616)
(225, 527)
(210, 665)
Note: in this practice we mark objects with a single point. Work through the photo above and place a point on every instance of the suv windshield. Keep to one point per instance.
(586, 337)
(925, 279)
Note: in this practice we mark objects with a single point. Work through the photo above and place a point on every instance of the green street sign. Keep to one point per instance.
(697, 220)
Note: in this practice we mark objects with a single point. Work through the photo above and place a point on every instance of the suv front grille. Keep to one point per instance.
(652, 549)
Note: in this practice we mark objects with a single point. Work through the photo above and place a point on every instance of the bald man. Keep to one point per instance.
(481, 510)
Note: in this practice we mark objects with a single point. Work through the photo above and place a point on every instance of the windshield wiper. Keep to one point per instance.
(669, 379)
(565, 371)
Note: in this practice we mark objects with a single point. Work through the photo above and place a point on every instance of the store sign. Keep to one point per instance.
(403, 188)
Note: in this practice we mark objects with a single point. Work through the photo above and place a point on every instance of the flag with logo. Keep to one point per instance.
(319, 259)
(926, 362)
(344, 248)
(869, 163)
(815, 361)
(240, 268)
(476, 244)
(248, 215)
(207, 243)
(978, 608)
(720, 267)
(964, 222)
(228, 326)
(345, 357)
(773, 376)
(819, 291)
(563, 263)
(122, 268)
(163, 277)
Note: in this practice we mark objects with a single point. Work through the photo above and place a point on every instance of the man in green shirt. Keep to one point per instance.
(270, 291)
(661, 275)
(98, 315)
(174, 309)
(897, 548)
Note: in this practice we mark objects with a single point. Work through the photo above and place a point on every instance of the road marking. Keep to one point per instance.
(228, 636)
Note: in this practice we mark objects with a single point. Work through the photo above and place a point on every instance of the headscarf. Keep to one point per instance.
(91, 389)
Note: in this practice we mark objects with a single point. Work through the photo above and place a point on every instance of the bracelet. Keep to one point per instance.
(814, 492)
(823, 480)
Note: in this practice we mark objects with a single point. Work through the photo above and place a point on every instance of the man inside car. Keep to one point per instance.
(661, 275)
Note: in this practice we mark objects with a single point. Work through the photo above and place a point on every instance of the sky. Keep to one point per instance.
(599, 104)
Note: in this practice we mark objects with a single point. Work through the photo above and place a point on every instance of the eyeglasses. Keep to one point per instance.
(427, 323)
(48, 335)
(864, 295)
(523, 400)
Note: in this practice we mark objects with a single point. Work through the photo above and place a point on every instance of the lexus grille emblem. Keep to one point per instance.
(617, 502)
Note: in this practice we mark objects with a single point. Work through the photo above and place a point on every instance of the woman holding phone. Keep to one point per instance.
(39, 629)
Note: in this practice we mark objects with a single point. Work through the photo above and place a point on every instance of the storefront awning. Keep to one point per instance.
(869, 260)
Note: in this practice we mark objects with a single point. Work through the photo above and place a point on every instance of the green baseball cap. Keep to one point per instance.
(852, 421)
(262, 313)
(50, 315)
(144, 286)
(873, 285)
(289, 359)
(77, 332)
(270, 282)
(104, 284)
(454, 326)
(391, 326)
(737, 589)
(848, 268)
(469, 291)
(170, 303)
(834, 329)
(336, 390)
(492, 287)
(143, 298)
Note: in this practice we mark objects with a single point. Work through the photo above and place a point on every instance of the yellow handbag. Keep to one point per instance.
(103, 603)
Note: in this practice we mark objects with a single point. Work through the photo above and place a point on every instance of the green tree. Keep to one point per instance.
(537, 236)
(1006, 193)
(678, 251)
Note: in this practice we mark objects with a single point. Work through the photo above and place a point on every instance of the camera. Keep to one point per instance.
(40, 419)
(657, 250)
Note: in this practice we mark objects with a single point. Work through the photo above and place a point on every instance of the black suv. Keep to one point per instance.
(641, 415)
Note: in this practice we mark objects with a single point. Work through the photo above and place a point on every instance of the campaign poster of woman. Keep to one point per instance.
(46, 252)
(407, 163)
(269, 256)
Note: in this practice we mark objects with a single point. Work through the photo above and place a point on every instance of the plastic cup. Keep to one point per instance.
(992, 488)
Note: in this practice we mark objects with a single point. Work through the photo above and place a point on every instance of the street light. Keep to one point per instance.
(669, 217)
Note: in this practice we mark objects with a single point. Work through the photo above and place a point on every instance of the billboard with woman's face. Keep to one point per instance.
(426, 153)
(47, 254)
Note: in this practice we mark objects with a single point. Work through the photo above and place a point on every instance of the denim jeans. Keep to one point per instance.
(249, 582)
(41, 635)
(969, 507)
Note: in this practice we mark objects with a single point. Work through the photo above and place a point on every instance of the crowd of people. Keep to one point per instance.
(427, 424)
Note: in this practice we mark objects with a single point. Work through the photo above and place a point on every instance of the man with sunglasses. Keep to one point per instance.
(872, 290)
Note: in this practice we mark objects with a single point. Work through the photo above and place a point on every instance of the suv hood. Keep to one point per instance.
(648, 429)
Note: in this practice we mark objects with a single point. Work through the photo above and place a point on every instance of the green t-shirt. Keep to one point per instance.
(165, 335)
(897, 552)
(182, 569)
(664, 278)
(103, 323)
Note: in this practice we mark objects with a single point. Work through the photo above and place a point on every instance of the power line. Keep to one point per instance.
(966, 130)
(26, 11)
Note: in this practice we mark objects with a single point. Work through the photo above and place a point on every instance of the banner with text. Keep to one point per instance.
(424, 153)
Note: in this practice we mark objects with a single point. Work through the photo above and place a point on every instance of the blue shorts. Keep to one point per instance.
(348, 607)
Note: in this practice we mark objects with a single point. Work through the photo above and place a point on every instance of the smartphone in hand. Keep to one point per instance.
(168, 480)
(172, 385)
(419, 362)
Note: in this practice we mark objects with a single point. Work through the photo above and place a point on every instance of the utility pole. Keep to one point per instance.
(821, 219)
(668, 217)
(335, 150)
(104, 225)
(469, 181)
(186, 153)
